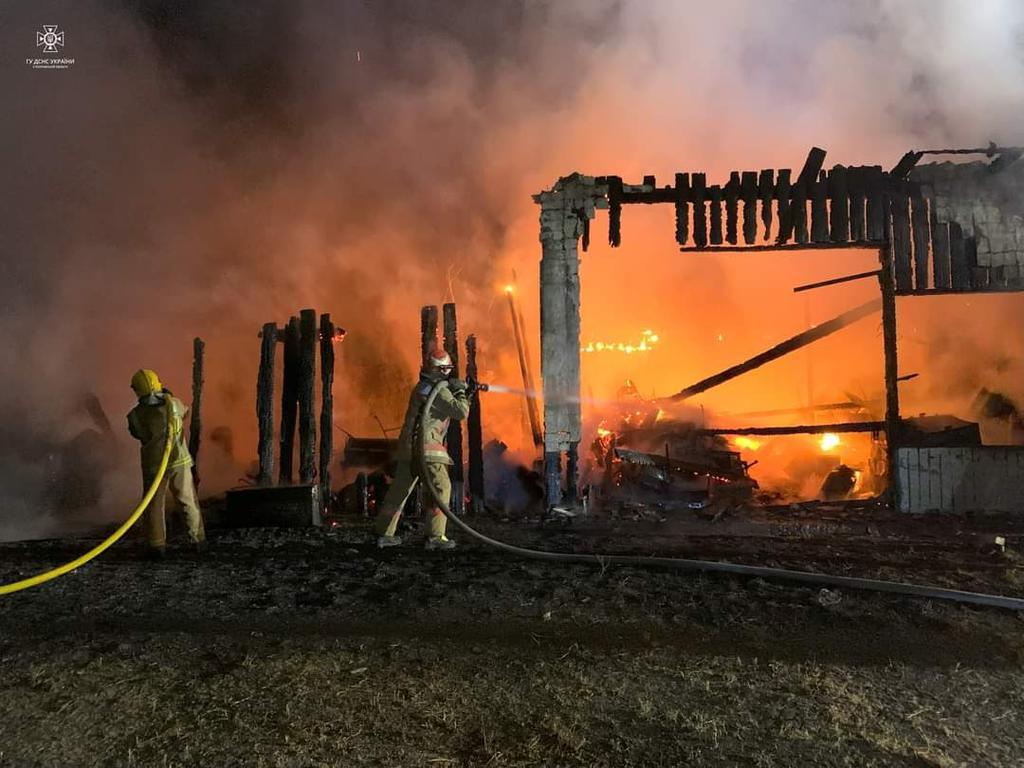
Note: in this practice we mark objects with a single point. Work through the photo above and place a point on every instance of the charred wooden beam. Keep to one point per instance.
(265, 403)
(682, 208)
(906, 165)
(308, 335)
(715, 208)
(874, 183)
(899, 212)
(732, 195)
(451, 346)
(782, 194)
(812, 167)
(195, 425)
(748, 193)
(819, 210)
(835, 281)
(614, 211)
(799, 212)
(839, 202)
(428, 333)
(518, 331)
(765, 188)
(474, 432)
(800, 429)
(782, 349)
(855, 189)
(700, 223)
(326, 406)
(919, 236)
(886, 284)
(289, 399)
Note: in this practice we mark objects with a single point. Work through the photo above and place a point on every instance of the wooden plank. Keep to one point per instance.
(978, 276)
(327, 331)
(195, 424)
(921, 238)
(782, 195)
(265, 403)
(839, 205)
(940, 253)
(855, 191)
(307, 386)
(454, 443)
(876, 206)
(899, 211)
(715, 210)
(812, 167)
(959, 271)
(474, 433)
(765, 187)
(682, 208)
(732, 193)
(819, 210)
(614, 211)
(698, 184)
(799, 213)
(748, 193)
(289, 401)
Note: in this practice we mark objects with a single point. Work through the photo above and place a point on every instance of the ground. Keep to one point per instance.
(311, 648)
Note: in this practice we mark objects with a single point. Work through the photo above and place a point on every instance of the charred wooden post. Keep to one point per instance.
(921, 238)
(715, 206)
(265, 403)
(474, 434)
(700, 222)
(614, 211)
(732, 196)
(289, 399)
(892, 393)
(451, 346)
(899, 242)
(748, 193)
(940, 253)
(307, 388)
(195, 425)
(327, 331)
(428, 333)
(839, 212)
(855, 186)
(801, 192)
(782, 194)
(819, 210)
(682, 208)
(876, 203)
(779, 350)
(960, 271)
(765, 186)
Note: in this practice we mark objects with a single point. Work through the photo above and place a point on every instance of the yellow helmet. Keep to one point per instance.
(146, 382)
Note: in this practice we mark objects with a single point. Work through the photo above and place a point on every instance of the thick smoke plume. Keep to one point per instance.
(205, 167)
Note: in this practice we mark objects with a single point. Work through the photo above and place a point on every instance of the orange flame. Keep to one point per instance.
(829, 440)
(648, 339)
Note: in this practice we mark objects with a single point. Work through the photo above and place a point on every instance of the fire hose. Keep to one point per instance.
(709, 566)
(103, 546)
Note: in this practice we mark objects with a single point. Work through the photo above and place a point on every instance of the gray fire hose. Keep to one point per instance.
(775, 574)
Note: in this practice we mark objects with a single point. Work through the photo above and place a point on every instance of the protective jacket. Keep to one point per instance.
(451, 403)
(147, 423)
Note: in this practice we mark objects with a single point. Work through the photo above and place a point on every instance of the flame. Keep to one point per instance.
(829, 440)
(509, 289)
(648, 339)
(746, 443)
(602, 432)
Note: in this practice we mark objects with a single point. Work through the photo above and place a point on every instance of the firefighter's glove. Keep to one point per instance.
(457, 385)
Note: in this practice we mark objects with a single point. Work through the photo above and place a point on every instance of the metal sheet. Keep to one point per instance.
(982, 478)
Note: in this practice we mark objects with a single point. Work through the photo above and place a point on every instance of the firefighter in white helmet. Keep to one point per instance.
(147, 423)
(452, 402)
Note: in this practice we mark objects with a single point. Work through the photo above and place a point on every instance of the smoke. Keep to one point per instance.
(206, 167)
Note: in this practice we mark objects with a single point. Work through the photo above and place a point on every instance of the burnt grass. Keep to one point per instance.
(311, 648)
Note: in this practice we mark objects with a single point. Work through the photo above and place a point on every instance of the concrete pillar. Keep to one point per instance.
(562, 212)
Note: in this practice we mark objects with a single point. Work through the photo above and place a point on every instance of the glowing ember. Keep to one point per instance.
(829, 440)
(509, 289)
(746, 443)
(648, 339)
(602, 432)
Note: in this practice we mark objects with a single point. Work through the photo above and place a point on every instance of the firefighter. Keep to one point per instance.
(452, 403)
(147, 423)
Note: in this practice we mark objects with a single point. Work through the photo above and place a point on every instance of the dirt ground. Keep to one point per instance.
(311, 648)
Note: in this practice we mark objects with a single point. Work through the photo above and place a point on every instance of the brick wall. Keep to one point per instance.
(987, 203)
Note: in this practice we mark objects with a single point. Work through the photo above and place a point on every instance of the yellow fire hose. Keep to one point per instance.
(99, 549)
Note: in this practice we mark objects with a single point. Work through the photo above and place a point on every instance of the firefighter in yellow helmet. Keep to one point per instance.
(452, 403)
(147, 423)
